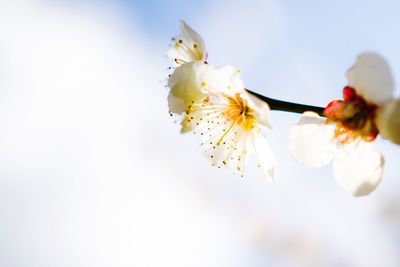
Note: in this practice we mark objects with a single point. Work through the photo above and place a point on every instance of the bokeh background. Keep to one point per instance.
(94, 172)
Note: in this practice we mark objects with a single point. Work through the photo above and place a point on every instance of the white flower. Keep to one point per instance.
(194, 81)
(188, 47)
(229, 120)
(347, 135)
(214, 103)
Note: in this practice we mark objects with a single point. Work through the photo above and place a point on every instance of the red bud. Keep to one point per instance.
(349, 94)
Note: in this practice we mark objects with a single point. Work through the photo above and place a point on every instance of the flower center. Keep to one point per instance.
(354, 117)
(239, 112)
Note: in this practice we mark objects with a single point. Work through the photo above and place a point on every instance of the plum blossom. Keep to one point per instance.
(214, 103)
(347, 135)
(187, 47)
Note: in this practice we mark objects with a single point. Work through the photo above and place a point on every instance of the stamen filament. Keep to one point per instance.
(227, 131)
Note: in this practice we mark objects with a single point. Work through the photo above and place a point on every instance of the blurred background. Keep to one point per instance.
(94, 172)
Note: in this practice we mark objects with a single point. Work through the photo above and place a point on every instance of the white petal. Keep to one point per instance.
(188, 47)
(260, 110)
(175, 104)
(358, 167)
(222, 80)
(186, 125)
(265, 157)
(186, 86)
(311, 141)
(209, 79)
(371, 77)
(180, 73)
(193, 36)
(388, 121)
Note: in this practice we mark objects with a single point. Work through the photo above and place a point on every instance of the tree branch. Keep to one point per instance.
(288, 106)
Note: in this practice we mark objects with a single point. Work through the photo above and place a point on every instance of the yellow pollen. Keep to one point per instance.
(239, 111)
(238, 114)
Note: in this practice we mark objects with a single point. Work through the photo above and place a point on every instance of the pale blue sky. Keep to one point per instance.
(329, 32)
(93, 171)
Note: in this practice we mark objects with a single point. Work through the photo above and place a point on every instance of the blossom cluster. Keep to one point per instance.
(213, 102)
